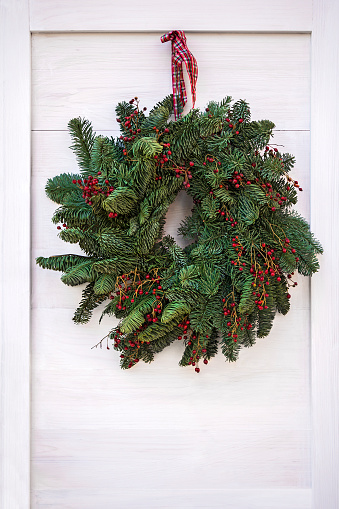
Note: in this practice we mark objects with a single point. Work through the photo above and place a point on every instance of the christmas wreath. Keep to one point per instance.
(226, 286)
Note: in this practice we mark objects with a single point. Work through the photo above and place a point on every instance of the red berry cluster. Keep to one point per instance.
(270, 269)
(274, 153)
(237, 179)
(129, 287)
(198, 345)
(271, 150)
(239, 249)
(129, 347)
(130, 123)
(132, 285)
(182, 171)
(215, 164)
(163, 158)
(295, 183)
(235, 321)
(90, 187)
(293, 283)
(64, 225)
(184, 324)
(272, 195)
(228, 218)
(234, 125)
(228, 121)
(156, 310)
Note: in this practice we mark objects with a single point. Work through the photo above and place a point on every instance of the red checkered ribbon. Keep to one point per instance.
(181, 54)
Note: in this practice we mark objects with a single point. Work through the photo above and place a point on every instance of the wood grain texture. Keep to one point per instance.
(156, 458)
(179, 499)
(325, 295)
(15, 254)
(159, 428)
(105, 15)
(258, 392)
(271, 71)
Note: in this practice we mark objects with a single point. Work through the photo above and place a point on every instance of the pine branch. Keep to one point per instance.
(82, 135)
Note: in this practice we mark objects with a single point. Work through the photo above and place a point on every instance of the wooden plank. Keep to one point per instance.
(83, 15)
(156, 459)
(325, 296)
(169, 499)
(88, 74)
(73, 384)
(15, 254)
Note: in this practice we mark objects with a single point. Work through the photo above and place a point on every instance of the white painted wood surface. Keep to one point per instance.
(150, 15)
(271, 71)
(195, 499)
(325, 295)
(159, 435)
(246, 16)
(15, 254)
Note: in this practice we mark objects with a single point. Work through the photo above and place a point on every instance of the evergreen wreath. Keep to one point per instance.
(246, 241)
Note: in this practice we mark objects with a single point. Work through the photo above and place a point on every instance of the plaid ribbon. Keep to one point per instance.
(180, 54)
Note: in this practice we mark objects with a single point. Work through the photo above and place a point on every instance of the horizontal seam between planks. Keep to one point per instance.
(112, 130)
(159, 30)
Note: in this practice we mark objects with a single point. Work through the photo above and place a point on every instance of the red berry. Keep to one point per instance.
(191, 163)
(197, 370)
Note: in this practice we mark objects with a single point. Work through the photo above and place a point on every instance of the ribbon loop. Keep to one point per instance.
(181, 54)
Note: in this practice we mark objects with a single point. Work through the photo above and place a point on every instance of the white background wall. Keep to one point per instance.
(235, 436)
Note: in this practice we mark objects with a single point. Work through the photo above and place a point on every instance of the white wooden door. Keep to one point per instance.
(239, 435)
(127, 438)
